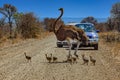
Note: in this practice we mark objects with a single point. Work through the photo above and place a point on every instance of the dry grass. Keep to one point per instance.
(110, 36)
(4, 41)
(116, 50)
(111, 41)
(43, 35)
(111, 50)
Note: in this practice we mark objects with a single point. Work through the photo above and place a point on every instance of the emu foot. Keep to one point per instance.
(69, 56)
(85, 63)
(76, 56)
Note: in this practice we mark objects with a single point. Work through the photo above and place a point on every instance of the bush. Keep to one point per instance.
(30, 26)
(48, 22)
(111, 36)
(102, 27)
(89, 19)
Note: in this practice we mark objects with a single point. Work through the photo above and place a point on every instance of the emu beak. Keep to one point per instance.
(61, 9)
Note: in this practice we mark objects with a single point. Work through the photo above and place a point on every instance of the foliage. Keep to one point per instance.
(89, 19)
(2, 21)
(115, 11)
(17, 17)
(102, 27)
(29, 26)
(8, 11)
(114, 20)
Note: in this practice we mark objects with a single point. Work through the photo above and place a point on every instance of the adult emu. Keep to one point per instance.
(69, 33)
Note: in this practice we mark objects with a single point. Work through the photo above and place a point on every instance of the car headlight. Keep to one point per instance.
(94, 36)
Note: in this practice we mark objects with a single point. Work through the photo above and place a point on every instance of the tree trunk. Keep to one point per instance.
(10, 24)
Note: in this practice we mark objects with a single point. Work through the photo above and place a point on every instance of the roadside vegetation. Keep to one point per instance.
(15, 25)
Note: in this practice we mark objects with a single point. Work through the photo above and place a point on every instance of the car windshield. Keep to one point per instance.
(86, 27)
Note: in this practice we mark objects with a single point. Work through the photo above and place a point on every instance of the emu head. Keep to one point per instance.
(61, 9)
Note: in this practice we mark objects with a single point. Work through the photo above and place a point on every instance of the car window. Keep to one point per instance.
(86, 27)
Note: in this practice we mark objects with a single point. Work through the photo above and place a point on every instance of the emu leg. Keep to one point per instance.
(75, 53)
(70, 46)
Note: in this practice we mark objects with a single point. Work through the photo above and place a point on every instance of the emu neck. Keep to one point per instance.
(54, 25)
(25, 54)
(46, 55)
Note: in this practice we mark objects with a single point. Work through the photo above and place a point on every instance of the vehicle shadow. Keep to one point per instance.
(57, 62)
(82, 49)
(85, 48)
(62, 47)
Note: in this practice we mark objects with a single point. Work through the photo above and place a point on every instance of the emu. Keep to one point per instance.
(54, 58)
(27, 57)
(48, 58)
(92, 60)
(69, 32)
(86, 60)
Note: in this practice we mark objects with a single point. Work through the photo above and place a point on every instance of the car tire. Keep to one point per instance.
(96, 47)
(59, 45)
(73, 46)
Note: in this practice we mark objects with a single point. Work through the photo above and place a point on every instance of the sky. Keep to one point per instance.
(72, 8)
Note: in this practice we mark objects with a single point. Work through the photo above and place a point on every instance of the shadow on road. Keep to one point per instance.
(81, 48)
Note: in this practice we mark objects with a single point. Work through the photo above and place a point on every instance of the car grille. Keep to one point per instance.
(65, 43)
(90, 36)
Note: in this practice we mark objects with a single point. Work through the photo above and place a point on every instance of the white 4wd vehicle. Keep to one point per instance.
(91, 33)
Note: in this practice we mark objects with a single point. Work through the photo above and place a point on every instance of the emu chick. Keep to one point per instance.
(54, 59)
(85, 59)
(92, 60)
(27, 57)
(74, 59)
(48, 58)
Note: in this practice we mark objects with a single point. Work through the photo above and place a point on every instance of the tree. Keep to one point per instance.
(8, 11)
(30, 26)
(115, 11)
(101, 26)
(115, 16)
(89, 19)
(18, 17)
(2, 22)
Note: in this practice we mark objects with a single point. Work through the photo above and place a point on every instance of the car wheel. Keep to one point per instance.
(73, 47)
(96, 46)
(59, 45)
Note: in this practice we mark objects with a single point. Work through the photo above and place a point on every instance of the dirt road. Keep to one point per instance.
(14, 66)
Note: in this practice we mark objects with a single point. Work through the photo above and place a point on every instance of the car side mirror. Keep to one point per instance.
(97, 31)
